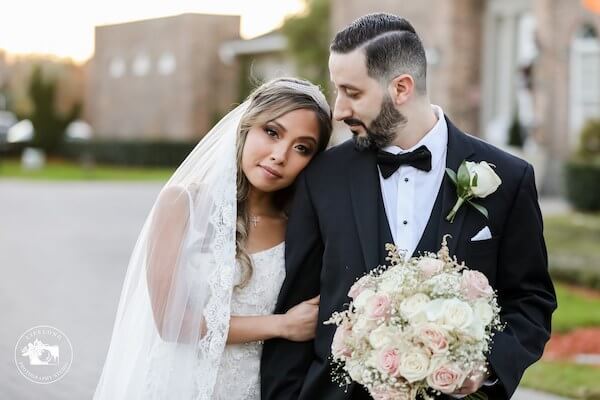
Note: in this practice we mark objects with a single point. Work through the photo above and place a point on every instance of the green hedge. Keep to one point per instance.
(11, 150)
(573, 253)
(583, 184)
(576, 276)
(130, 153)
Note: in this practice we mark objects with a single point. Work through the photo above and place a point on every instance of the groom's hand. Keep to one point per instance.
(471, 384)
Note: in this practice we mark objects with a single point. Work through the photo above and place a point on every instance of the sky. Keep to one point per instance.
(65, 28)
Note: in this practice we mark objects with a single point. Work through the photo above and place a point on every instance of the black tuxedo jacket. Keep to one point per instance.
(337, 230)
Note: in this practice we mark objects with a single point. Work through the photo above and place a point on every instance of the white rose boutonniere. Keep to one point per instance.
(473, 180)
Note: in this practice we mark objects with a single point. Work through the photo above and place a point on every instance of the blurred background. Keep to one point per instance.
(100, 101)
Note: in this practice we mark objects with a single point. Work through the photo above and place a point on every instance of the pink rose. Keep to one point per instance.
(378, 306)
(475, 285)
(339, 348)
(434, 338)
(430, 266)
(388, 361)
(446, 378)
(358, 287)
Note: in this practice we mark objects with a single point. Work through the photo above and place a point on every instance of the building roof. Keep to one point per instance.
(271, 42)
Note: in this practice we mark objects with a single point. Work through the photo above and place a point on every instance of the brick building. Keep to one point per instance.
(161, 78)
(491, 63)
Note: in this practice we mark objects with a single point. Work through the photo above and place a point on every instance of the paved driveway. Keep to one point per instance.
(64, 249)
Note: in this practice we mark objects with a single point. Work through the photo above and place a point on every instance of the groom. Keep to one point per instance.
(389, 185)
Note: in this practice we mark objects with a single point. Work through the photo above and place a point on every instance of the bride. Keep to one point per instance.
(208, 265)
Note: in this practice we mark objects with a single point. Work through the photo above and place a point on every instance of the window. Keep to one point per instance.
(584, 80)
(166, 64)
(116, 67)
(141, 65)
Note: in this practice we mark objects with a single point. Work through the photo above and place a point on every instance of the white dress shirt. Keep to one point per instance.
(409, 194)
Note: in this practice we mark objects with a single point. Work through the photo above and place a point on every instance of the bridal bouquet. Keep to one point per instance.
(417, 327)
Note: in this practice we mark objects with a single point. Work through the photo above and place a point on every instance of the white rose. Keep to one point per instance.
(457, 314)
(355, 370)
(363, 298)
(414, 364)
(434, 310)
(482, 316)
(484, 312)
(476, 330)
(413, 305)
(389, 285)
(381, 336)
(362, 326)
(487, 180)
(391, 280)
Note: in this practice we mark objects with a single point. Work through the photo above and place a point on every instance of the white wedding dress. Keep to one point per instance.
(239, 373)
(170, 331)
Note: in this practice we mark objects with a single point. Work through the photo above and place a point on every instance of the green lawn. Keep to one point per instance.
(61, 170)
(574, 310)
(564, 379)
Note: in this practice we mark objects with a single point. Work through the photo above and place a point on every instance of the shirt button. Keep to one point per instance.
(405, 179)
(405, 222)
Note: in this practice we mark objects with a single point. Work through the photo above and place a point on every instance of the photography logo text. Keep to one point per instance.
(43, 354)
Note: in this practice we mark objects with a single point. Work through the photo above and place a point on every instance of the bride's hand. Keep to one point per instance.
(300, 322)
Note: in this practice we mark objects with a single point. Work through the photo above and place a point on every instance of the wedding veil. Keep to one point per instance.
(173, 315)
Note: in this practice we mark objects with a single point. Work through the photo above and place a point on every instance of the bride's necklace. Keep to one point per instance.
(255, 219)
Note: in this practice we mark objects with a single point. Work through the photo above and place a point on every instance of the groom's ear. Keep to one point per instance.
(402, 88)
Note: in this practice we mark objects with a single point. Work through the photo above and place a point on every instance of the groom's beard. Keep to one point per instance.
(382, 130)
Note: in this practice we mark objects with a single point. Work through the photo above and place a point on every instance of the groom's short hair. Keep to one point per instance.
(391, 45)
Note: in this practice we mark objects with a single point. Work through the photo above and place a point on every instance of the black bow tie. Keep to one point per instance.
(389, 163)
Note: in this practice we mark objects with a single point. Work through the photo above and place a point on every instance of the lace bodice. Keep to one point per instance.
(239, 373)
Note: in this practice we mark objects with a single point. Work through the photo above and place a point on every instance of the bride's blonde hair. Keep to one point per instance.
(267, 103)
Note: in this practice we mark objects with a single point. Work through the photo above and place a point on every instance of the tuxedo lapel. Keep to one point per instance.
(367, 206)
(459, 149)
